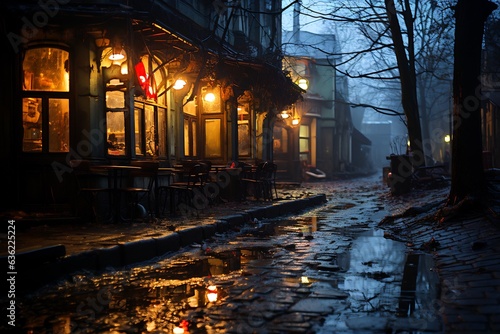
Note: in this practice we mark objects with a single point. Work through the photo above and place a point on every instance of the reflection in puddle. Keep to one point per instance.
(385, 284)
(270, 268)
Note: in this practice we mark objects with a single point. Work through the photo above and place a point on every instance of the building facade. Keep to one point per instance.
(117, 81)
(318, 128)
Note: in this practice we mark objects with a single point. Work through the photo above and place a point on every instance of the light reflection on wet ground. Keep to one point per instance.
(325, 271)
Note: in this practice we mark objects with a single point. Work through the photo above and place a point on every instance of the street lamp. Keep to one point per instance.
(302, 83)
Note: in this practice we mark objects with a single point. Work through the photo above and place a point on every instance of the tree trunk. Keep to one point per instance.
(408, 87)
(467, 175)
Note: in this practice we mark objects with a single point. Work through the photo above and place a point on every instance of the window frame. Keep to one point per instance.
(45, 96)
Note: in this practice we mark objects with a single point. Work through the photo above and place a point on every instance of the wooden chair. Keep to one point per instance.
(252, 181)
(137, 189)
(188, 188)
(90, 184)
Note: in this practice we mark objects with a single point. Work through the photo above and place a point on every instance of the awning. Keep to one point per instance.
(265, 80)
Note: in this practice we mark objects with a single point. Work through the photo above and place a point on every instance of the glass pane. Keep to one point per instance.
(149, 123)
(58, 125)
(46, 69)
(115, 99)
(190, 107)
(162, 132)
(116, 132)
(193, 127)
(213, 146)
(139, 150)
(280, 142)
(304, 131)
(303, 145)
(186, 138)
(212, 104)
(243, 138)
(32, 125)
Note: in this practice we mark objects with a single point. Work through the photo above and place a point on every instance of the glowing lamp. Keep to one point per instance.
(179, 84)
(303, 84)
(295, 121)
(209, 97)
(447, 138)
(285, 114)
(212, 293)
(118, 54)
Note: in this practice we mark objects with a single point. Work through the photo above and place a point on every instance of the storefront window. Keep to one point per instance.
(149, 124)
(45, 102)
(304, 143)
(139, 143)
(32, 125)
(244, 145)
(211, 100)
(187, 142)
(213, 145)
(58, 125)
(162, 132)
(116, 132)
(280, 140)
(46, 69)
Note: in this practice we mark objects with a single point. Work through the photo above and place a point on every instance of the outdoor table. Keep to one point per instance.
(114, 173)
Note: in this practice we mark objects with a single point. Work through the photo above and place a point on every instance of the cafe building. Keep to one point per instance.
(120, 81)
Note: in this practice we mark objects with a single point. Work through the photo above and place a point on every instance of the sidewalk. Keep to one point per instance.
(51, 247)
(466, 251)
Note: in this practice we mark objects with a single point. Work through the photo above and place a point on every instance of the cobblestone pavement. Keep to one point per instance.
(331, 269)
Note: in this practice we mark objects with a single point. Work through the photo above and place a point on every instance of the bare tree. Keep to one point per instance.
(396, 52)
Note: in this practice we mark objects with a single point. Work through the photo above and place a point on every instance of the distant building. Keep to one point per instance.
(322, 136)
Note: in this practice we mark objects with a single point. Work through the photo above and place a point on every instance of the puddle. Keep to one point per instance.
(270, 270)
(388, 288)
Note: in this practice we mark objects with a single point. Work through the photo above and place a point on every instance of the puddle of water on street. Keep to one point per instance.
(196, 285)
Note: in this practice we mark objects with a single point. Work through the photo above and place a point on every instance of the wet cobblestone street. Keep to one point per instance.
(327, 270)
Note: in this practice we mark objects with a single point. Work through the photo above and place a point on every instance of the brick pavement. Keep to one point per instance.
(466, 250)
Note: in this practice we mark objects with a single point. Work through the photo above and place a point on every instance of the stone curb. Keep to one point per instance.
(49, 265)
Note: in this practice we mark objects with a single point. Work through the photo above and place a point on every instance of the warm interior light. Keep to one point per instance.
(284, 114)
(124, 68)
(212, 293)
(179, 84)
(209, 97)
(447, 138)
(178, 330)
(117, 54)
(295, 121)
(303, 84)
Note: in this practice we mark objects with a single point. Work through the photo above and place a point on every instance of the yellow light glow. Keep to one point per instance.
(303, 84)
(179, 84)
(124, 68)
(304, 280)
(210, 97)
(284, 114)
(178, 330)
(212, 293)
(447, 138)
(118, 54)
(295, 121)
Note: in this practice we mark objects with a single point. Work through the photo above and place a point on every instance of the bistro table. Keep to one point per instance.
(115, 172)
